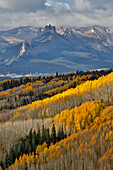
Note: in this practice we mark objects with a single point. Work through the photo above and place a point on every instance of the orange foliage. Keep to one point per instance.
(80, 117)
(94, 143)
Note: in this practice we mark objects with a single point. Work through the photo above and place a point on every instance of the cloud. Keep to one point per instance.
(56, 8)
(81, 5)
(22, 5)
(57, 12)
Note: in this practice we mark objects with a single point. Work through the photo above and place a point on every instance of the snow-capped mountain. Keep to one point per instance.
(29, 49)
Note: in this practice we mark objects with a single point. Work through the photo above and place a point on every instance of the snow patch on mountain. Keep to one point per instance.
(33, 48)
(92, 30)
(10, 61)
(22, 51)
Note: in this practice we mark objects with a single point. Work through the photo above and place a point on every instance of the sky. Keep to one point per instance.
(75, 13)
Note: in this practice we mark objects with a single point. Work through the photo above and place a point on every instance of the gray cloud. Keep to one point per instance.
(81, 5)
(22, 5)
(14, 13)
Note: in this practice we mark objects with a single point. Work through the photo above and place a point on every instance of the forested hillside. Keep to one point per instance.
(66, 123)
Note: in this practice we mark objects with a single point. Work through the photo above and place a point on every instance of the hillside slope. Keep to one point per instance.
(47, 50)
(73, 126)
(100, 89)
(91, 147)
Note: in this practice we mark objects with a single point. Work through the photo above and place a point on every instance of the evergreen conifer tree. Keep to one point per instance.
(53, 135)
(47, 137)
(38, 137)
(43, 138)
(33, 141)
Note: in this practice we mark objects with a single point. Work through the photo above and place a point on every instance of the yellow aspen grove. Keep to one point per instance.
(58, 122)
(87, 91)
(92, 145)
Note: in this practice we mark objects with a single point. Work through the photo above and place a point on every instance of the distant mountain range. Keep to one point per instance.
(28, 49)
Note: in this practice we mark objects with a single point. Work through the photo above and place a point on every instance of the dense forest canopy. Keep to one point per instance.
(64, 121)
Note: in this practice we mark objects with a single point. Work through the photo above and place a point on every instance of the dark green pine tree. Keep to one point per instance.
(43, 137)
(53, 135)
(34, 141)
(47, 137)
(38, 137)
(59, 135)
(7, 161)
(56, 74)
(19, 149)
(62, 133)
(16, 151)
(30, 140)
(27, 146)
(22, 143)
(11, 156)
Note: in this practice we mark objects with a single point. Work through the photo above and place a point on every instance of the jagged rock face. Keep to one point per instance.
(50, 28)
(47, 50)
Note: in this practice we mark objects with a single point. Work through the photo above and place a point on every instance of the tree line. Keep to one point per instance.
(8, 84)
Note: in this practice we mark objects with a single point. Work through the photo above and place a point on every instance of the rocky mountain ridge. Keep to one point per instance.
(28, 49)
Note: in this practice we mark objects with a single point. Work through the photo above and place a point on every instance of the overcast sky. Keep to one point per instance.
(76, 13)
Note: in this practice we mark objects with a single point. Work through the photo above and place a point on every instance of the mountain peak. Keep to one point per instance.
(62, 28)
(50, 28)
(48, 49)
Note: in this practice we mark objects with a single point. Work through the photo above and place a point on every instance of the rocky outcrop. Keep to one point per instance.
(49, 28)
